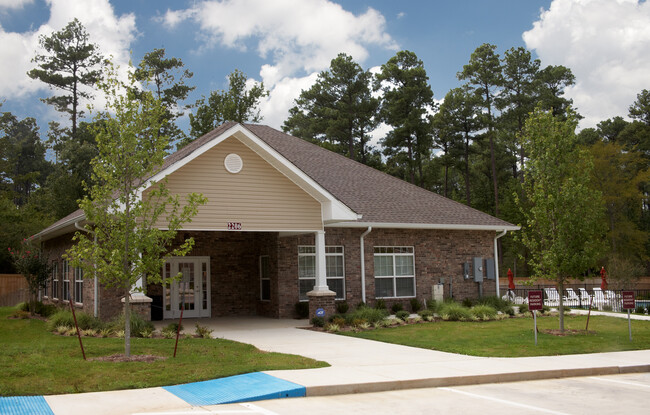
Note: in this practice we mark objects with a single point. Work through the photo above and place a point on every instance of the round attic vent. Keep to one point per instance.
(233, 163)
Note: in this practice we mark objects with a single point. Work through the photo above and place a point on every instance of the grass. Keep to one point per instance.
(36, 362)
(515, 337)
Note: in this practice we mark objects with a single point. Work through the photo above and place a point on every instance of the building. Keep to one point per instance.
(288, 221)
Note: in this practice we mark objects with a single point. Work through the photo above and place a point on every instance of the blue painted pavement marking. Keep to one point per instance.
(24, 405)
(240, 388)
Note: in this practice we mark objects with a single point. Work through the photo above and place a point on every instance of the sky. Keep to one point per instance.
(286, 43)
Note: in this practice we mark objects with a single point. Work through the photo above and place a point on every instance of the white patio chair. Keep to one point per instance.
(599, 298)
(552, 297)
(585, 297)
(572, 297)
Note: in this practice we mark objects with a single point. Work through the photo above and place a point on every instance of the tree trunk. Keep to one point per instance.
(560, 286)
(127, 323)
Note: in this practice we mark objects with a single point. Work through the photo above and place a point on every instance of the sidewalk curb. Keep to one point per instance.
(327, 390)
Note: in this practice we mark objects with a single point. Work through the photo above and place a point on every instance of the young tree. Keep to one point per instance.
(563, 216)
(483, 73)
(407, 100)
(338, 107)
(33, 265)
(239, 103)
(71, 62)
(125, 240)
(167, 78)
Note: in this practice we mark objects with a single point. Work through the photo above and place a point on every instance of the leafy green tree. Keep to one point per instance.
(125, 239)
(167, 79)
(23, 167)
(70, 64)
(407, 100)
(459, 114)
(484, 76)
(564, 223)
(640, 109)
(33, 265)
(551, 83)
(339, 107)
(239, 103)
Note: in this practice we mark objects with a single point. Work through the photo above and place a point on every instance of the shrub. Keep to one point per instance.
(60, 318)
(334, 316)
(397, 307)
(357, 322)
(455, 312)
(380, 304)
(371, 315)
(318, 322)
(361, 305)
(201, 331)
(467, 302)
(138, 325)
(332, 328)
(173, 327)
(89, 332)
(415, 319)
(639, 309)
(523, 309)
(339, 321)
(88, 322)
(416, 305)
(484, 312)
(106, 332)
(402, 315)
(342, 307)
(302, 309)
(20, 314)
(432, 305)
(167, 333)
(425, 314)
(499, 304)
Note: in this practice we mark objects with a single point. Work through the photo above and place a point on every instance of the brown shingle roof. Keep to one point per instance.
(377, 196)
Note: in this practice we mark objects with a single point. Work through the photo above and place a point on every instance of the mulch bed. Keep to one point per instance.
(566, 332)
(133, 358)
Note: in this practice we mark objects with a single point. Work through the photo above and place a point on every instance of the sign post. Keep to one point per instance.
(628, 304)
(535, 302)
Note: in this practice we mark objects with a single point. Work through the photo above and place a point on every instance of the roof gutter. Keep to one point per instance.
(496, 259)
(363, 264)
(441, 226)
(96, 286)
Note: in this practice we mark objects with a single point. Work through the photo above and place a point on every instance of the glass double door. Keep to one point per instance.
(189, 288)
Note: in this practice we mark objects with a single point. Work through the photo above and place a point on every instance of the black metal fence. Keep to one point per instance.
(579, 297)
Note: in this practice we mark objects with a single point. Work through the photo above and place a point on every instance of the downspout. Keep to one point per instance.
(363, 264)
(95, 285)
(496, 259)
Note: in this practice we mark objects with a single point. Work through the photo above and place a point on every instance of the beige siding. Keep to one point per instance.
(258, 197)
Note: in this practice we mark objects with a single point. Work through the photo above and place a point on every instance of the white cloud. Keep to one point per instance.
(111, 33)
(14, 4)
(605, 43)
(297, 39)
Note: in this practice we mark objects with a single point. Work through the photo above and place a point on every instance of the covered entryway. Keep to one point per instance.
(191, 290)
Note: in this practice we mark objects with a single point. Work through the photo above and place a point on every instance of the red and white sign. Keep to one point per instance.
(628, 300)
(234, 226)
(535, 300)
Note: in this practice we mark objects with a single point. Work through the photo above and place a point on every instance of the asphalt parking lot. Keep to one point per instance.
(615, 394)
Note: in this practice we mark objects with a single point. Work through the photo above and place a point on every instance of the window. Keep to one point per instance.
(265, 278)
(334, 270)
(78, 285)
(66, 281)
(55, 280)
(394, 272)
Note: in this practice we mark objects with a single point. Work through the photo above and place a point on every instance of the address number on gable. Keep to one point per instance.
(234, 226)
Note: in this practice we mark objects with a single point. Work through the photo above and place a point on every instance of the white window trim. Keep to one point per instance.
(262, 279)
(341, 254)
(76, 272)
(55, 277)
(394, 276)
(65, 281)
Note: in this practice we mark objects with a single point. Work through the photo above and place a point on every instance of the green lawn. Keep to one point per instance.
(36, 362)
(514, 337)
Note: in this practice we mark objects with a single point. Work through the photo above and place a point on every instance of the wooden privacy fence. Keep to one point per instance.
(13, 290)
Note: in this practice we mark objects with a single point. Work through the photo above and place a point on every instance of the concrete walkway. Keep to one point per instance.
(357, 365)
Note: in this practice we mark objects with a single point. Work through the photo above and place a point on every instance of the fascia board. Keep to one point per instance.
(441, 226)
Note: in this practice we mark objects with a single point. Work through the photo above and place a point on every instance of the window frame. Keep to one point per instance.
(65, 292)
(265, 278)
(327, 254)
(55, 280)
(78, 284)
(410, 252)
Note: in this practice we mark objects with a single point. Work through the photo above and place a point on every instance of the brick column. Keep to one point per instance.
(321, 299)
(141, 305)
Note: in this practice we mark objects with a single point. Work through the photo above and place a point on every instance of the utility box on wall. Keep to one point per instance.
(490, 271)
(477, 264)
(466, 273)
(438, 292)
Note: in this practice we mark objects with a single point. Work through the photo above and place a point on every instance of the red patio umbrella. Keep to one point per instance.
(603, 276)
(511, 282)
